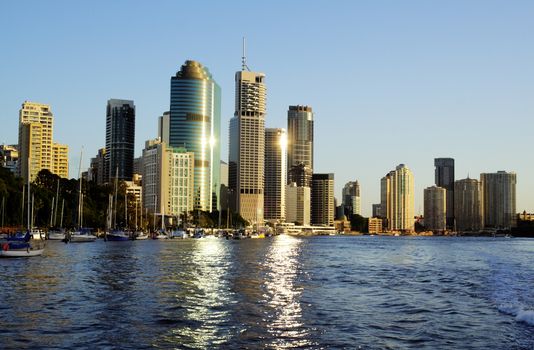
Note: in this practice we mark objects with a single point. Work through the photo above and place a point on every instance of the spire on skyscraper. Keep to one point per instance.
(244, 57)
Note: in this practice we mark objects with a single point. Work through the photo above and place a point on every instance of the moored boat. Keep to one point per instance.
(118, 236)
(20, 250)
(83, 235)
(177, 234)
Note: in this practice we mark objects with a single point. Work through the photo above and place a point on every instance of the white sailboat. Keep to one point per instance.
(20, 246)
(81, 234)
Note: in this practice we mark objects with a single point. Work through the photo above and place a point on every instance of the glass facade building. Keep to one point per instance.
(194, 124)
(300, 139)
(444, 175)
(120, 140)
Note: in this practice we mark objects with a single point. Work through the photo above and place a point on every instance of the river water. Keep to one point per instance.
(284, 292)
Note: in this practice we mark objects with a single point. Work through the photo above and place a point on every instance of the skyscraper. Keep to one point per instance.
(36, 123)
(300, 139)
(499, 199)
(351, 197)
(298, 204)
(195, 123)
(322, 200)
(397, 199)
(167, 179)
(444, 175)
(120, 140)
(275, 174)
(468, 205)
(435, 208)
(247, 146)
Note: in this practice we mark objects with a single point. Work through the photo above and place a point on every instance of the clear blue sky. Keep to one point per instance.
(390, 81)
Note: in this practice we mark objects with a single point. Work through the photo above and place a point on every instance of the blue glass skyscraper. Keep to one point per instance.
(195, 123)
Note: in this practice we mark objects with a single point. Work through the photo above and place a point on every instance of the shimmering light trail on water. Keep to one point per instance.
(277, 293)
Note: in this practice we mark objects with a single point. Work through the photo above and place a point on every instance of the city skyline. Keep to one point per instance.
(456, 75)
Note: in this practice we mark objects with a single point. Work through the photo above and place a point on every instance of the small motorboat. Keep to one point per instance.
(178, 234)
(118, 236)
(20, 250)
(56, 235)
(140, 235)
(82, 235)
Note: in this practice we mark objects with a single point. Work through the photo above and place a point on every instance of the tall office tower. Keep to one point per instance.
(168, 174)
(397, 199)
(300, 141)
(164, 127)
(195, 123)
(298, 204)
(444, 175)
(275, 174)
(36, 123)
(247, 146)
(120, 140)
(9, 157)
(435, 208)
(499, 199)
(468, 205)
(351, 197)
(96, 168)
(322, 200)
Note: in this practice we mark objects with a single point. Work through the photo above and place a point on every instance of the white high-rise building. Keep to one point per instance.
(397, 196)
(435, 208)
(298, 204)
(168, 174)
(247, 147)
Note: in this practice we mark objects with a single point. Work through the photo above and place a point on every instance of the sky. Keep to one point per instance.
(390, 82)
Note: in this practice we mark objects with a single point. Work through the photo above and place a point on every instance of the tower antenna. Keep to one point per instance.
(244, 57)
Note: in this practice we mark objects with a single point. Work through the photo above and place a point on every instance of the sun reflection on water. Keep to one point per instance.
(201, 286)
(285, 321)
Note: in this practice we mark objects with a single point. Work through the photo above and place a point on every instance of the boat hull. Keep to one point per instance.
(116, 238)
(20, 253)
(82, 238)
(56, 236)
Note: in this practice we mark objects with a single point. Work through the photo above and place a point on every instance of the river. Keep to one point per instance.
(332, 292)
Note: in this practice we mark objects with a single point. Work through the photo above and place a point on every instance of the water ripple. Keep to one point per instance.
(279, 293)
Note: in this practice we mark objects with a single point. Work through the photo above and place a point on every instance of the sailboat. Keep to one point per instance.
(117, 234)
(139, 234)
(57, 233)
(19, 246)
(81, 234)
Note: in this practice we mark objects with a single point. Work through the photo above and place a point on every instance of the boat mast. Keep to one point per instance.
(22, 207)
(115, 199)
(125, 211)
(61, 219)
(3, 209)
(29, 190)
(154, 215)
(80, 192)
(57, 202)
(52, 212)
